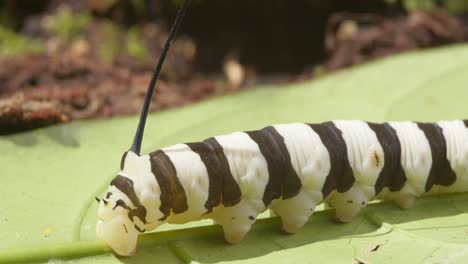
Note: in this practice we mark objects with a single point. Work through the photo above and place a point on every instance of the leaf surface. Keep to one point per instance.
(49, 177)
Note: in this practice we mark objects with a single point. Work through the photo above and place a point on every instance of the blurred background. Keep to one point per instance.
(66, 60)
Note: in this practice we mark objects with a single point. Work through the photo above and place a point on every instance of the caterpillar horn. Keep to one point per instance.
(118, 224)
(136, 145)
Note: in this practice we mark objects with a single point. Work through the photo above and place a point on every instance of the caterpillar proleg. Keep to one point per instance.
(287, 168)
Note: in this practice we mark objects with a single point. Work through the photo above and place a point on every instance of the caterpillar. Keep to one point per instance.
(287, 168)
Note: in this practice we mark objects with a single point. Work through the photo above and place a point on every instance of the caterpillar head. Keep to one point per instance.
(115, 227)
(131, 205)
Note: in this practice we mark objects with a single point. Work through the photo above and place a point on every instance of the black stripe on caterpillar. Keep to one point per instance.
(288, 168)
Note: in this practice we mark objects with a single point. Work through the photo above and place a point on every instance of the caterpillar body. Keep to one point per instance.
(288, 168)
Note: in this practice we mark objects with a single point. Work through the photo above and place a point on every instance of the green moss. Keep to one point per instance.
(65, 25)
(413, 5)
(453, 6)
(457, 6)
(12, 44)
(135, 47)
(110, 42)
(139, 6)
(114, 40)
(6, 18)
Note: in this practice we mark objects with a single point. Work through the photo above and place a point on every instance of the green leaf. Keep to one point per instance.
(49, 177)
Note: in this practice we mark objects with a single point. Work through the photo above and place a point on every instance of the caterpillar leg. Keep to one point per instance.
(405, 200)
(235, 220)
(294, 212)
(348, 204)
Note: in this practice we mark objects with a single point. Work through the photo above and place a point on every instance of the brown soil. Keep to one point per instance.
(41, 90)
(70, 83)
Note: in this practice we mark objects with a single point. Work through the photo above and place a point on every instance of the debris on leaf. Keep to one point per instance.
(47, 232)
(359, 261)
(375, 247)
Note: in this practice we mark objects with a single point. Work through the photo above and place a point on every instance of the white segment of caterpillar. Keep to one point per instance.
(289, 168)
